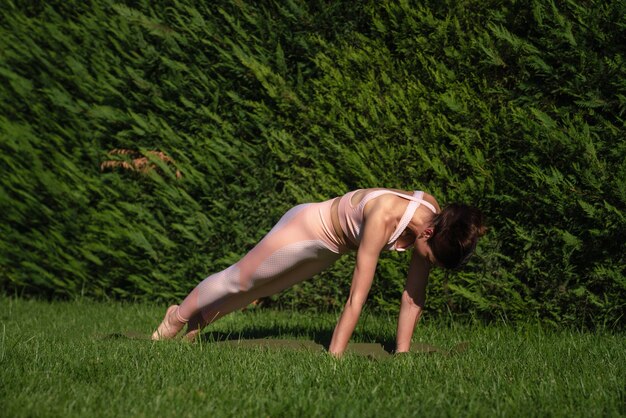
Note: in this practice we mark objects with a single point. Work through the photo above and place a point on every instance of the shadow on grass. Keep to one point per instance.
(321, 337)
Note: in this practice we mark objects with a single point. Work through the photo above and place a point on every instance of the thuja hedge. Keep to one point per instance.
(517, 107)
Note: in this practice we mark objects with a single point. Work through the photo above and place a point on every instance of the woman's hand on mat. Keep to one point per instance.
(335, 355)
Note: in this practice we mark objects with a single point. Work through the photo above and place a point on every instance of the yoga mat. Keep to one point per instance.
(371, 350)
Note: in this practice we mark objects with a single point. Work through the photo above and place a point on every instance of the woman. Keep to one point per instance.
(310, 237)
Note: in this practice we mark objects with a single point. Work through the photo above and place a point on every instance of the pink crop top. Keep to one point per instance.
(351, 217)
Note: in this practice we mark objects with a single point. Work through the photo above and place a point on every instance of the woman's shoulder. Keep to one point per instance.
(431, 199)
(425, 196)
(389, 199)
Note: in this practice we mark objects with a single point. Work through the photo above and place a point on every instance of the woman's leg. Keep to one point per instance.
(291, 252)
(302, 271)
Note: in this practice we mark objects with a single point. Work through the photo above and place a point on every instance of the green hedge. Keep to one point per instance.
(516, 107)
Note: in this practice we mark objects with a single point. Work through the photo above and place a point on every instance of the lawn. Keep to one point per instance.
(92, 359)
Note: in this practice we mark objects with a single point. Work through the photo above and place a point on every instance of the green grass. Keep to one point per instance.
(71, 359)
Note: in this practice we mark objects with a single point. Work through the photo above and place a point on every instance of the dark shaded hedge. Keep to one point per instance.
(517, 107)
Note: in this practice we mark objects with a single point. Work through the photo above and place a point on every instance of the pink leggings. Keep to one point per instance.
(301, 245)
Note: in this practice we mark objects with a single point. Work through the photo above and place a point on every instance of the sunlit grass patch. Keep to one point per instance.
(83, 359)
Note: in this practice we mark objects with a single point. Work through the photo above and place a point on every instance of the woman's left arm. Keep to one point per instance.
(413, 298)
(376, 232)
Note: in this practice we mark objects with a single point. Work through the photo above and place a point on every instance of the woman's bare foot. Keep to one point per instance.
(191, 335)
(195, 325)
(170, 326)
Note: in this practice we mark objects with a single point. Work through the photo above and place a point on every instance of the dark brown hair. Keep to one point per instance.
(456, 230)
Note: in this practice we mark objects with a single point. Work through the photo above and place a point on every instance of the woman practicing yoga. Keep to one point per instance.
(310, 237)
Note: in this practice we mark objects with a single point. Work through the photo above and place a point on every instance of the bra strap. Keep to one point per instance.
(417, 197)
(408, 214)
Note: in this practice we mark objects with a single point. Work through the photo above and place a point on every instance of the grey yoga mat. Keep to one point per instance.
(372, 350)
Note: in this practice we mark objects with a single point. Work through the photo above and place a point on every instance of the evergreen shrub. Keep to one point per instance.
(236, 111)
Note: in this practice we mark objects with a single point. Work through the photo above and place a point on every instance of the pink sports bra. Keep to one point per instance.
(351, 217)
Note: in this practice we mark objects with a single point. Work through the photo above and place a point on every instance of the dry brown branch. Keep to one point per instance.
(138, 162)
